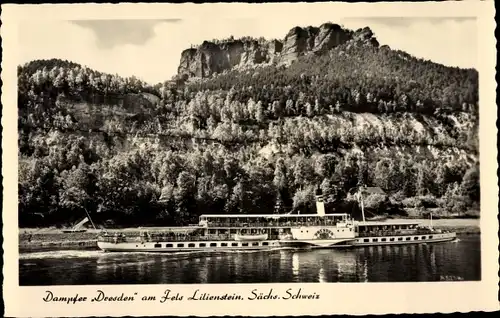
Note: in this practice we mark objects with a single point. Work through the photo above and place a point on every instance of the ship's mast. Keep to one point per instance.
(359, 196)
(362, 205)
(90, 219)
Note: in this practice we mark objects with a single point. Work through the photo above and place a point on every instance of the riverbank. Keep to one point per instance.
(460, 225)
(35, 238)
(31, 238)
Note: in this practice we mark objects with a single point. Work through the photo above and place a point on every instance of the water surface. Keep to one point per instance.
(457, 260)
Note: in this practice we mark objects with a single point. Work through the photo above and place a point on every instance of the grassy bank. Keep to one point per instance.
(461, 226)
(53, 237)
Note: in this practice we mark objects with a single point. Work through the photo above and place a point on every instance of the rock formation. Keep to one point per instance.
(215, 57)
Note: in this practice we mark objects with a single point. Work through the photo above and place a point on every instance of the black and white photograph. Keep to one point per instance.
(309, 148)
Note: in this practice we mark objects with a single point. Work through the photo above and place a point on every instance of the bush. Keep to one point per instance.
(412, 202)
(375, 201)
(459, 204)
(397, 198)
(428, 201)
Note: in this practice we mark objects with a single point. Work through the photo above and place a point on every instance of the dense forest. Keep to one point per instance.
(260, 140)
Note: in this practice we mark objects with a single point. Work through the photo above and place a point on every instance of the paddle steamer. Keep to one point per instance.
(242, 232)
(260, 232)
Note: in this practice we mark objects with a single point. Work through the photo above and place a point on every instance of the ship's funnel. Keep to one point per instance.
(320, 205)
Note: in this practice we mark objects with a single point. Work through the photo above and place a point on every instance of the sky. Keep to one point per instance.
(151, 49)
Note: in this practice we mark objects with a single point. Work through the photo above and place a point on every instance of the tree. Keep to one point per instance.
(280, 175)
(409, 185)
(236, 202)
(309, 110)
(471, 185)
(382, 174)
(422, 183)
(289, 109)
(302, 172)
(325, 165)
(75, 184)
(184, 194)
(277, 109)
(330, 191)
(346, 175)
(259, 112)
(304, 199)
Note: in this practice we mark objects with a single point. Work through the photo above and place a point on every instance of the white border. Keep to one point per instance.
(350, 298)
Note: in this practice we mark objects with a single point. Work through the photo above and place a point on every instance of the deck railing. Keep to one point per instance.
(397, 233)
(171, 238)
(275, 224)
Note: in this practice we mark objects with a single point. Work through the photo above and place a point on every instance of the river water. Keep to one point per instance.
(457, 260)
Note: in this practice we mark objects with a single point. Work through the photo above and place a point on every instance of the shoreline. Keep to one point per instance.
(40, 238)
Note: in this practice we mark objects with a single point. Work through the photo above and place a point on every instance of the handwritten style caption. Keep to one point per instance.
(170, 296)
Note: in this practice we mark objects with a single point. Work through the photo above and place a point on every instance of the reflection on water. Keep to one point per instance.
(295, 263)
(458, 260)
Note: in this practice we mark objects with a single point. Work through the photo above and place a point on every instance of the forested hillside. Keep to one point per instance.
(253, 140)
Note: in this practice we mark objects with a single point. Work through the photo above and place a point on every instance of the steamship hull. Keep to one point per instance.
(187, 246)
(317, 244)
(404, 239)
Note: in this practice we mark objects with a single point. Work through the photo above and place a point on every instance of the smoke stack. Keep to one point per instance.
(320, 205)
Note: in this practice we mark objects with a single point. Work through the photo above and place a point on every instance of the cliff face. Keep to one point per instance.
(301, 41)
(210, 58)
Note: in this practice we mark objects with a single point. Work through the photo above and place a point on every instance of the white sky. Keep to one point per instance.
(151, 49)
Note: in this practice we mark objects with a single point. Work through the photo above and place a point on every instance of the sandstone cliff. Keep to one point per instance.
(211, 58)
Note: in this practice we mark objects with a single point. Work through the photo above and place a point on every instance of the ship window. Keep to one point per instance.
(157, 245)
(203, 244)
(223, 244)
(423, 237)
(234, 244)
(213, 244)
(191, 245)
(383, 240)
(244, 244)
(169, 245)
(400, 238)
(430, 236)
(392, 239)
(180, 245)
(408, 238)
(366, 240)
(375, 240)
(415, 238)
(265, 243)
(255, 244)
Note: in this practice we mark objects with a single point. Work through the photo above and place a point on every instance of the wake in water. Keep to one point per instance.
(61, 254)
(102, 254)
